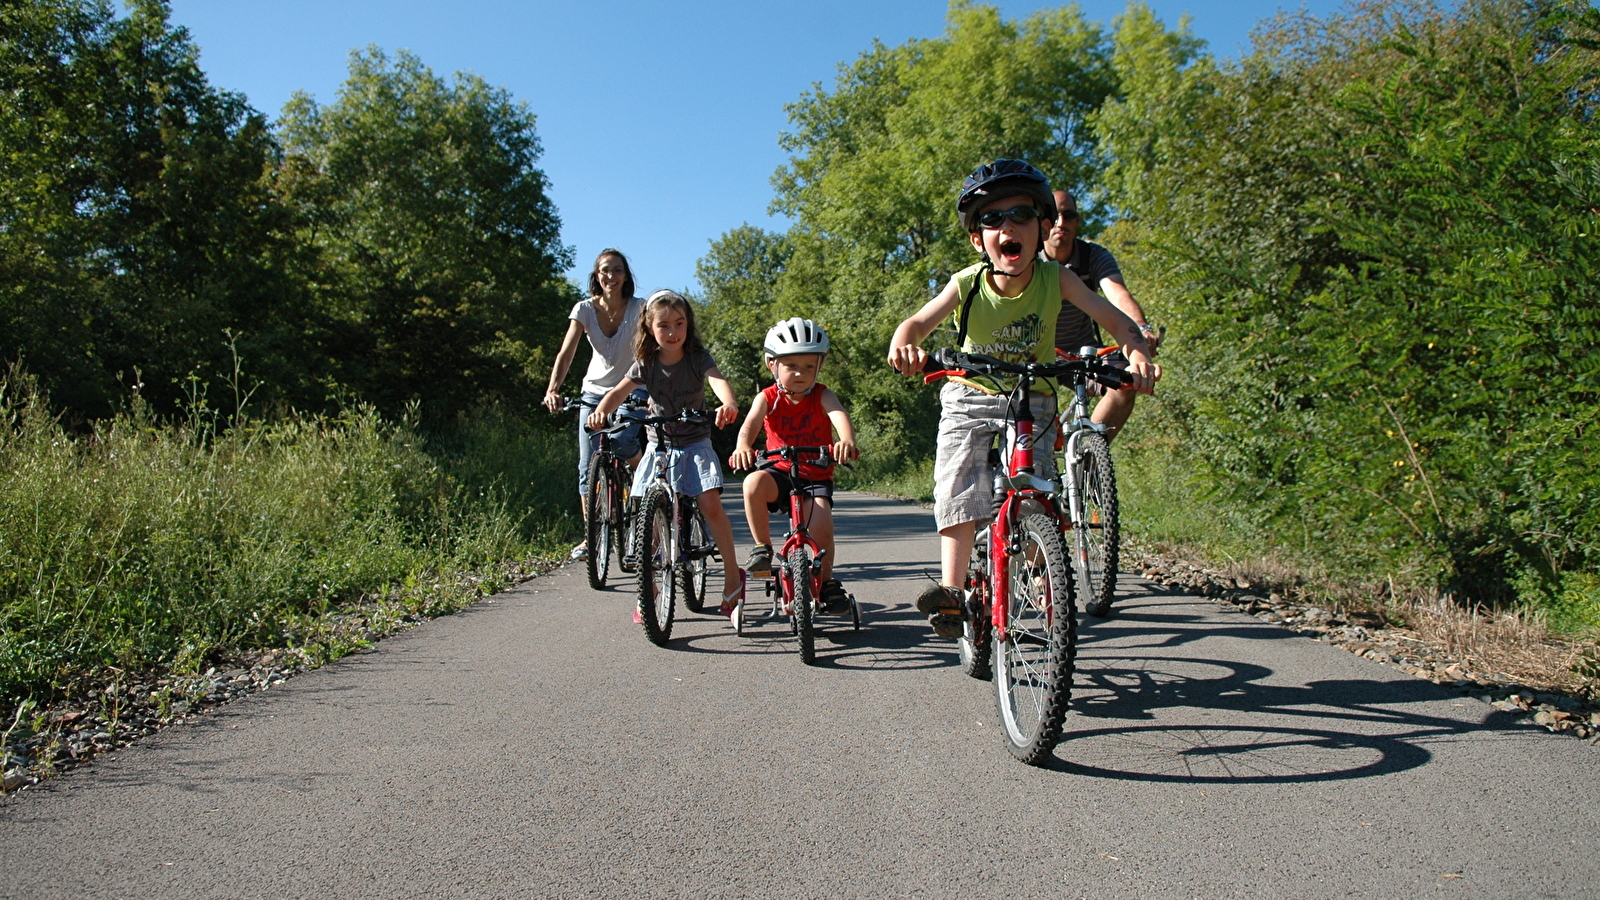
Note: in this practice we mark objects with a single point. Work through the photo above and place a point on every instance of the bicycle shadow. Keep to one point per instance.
(889, 638)
(1143, 712)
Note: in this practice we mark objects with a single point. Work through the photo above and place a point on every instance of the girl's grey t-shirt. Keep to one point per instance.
(675, 388)
(611, 354)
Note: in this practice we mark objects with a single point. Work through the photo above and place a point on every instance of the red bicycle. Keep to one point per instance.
(1020, 621)
(796, 586)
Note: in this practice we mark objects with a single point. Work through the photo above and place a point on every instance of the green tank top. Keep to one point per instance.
(1015, 329)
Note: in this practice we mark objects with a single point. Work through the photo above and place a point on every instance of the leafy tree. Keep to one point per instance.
(875, 164)
(439, 247)
(1374, 235)
(137, 224)
(739, 276)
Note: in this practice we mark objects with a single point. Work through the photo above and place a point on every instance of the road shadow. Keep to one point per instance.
(1143, 712)
(889, 638)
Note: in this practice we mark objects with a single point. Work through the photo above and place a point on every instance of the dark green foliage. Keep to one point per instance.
(137, 224)
(152, 227)
(1375, 239)
(439, 250)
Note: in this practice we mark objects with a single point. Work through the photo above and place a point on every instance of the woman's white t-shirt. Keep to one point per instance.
(612, 355)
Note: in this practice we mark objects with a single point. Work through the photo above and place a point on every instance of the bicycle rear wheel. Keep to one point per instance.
(697, 551)
(800, 606)
(977, 644)
(656, 552)
(1097, 536)
(600, 524)
(1033, 664)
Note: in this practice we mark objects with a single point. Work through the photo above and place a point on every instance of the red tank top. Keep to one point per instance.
(801, 423)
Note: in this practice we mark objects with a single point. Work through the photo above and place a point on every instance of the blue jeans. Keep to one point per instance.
(624, 445)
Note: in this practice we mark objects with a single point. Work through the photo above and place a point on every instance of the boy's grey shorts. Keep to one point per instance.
(694, 469)
(963, 490)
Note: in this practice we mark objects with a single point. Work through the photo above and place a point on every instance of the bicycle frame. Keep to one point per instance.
(1079, 425)
(799, 537)
(663, 476)
(1015, 483)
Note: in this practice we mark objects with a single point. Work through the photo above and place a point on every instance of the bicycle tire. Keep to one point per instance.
(1097, 536)
(977, 631)
(1033, 664)
(800, 608)
(696, 567)
(656, 582)
(599, 527)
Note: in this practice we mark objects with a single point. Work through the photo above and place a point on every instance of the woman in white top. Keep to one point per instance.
(610, 319)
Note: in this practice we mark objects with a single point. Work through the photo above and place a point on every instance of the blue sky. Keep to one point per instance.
(659, 121)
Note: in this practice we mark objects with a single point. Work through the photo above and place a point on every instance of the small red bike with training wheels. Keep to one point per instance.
(796, 586)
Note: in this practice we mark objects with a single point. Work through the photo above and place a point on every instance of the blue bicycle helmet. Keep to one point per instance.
(1002, 178)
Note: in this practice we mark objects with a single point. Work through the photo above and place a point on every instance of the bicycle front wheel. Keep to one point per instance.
(600, 524)
(1096, 536)
(1033, 664)
(800, 608)
(697, 556)
(976, 644)
(654, 542)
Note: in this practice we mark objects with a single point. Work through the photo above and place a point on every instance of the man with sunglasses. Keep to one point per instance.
(1098, 269)
(1005, 306)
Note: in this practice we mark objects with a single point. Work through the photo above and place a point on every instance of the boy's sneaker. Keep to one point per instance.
(759, 562)
(581, 552)
(942, 606)
(835, 600)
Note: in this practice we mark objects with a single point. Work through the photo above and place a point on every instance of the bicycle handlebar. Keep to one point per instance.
(626, 416)
(824, 455)
(954, 362)
(684, 415)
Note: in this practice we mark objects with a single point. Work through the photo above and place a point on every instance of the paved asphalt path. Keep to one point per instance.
(536, 745)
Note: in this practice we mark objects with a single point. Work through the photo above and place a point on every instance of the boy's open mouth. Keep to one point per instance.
(1011, 250)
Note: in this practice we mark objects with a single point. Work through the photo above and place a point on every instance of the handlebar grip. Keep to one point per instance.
(1115, 379)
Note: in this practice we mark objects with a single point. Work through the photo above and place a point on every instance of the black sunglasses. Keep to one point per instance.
(1021, 215)
(1069, 215)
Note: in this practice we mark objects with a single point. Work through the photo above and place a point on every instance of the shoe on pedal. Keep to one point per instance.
(759, 563)
(835, 600)
(942, 606)
(581, 552)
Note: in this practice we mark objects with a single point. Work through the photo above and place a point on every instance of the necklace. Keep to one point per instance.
(607, 319)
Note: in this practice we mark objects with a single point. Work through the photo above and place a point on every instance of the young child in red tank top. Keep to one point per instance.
(796, 411)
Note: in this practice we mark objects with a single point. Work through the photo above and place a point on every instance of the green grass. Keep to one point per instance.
(143, 545)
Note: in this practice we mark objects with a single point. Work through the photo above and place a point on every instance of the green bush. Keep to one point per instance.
(142, 544)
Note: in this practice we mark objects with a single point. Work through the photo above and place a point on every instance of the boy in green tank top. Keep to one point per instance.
(1006, 208)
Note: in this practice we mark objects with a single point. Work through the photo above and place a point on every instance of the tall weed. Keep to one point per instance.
(146, 544)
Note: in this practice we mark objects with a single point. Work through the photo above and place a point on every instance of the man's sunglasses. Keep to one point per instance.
(1021, 215)
(1069, 215)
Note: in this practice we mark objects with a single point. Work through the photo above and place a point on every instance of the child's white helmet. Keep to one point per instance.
(795, 336)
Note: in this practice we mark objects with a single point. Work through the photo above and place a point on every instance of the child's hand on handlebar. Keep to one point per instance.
(741, 459)
(908, 359)
(726, 415)
(846, 451)
(596, 420)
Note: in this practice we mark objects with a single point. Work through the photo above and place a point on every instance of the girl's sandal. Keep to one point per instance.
(731, 601)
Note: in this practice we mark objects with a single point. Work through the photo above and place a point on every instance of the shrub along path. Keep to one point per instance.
(536, 745)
